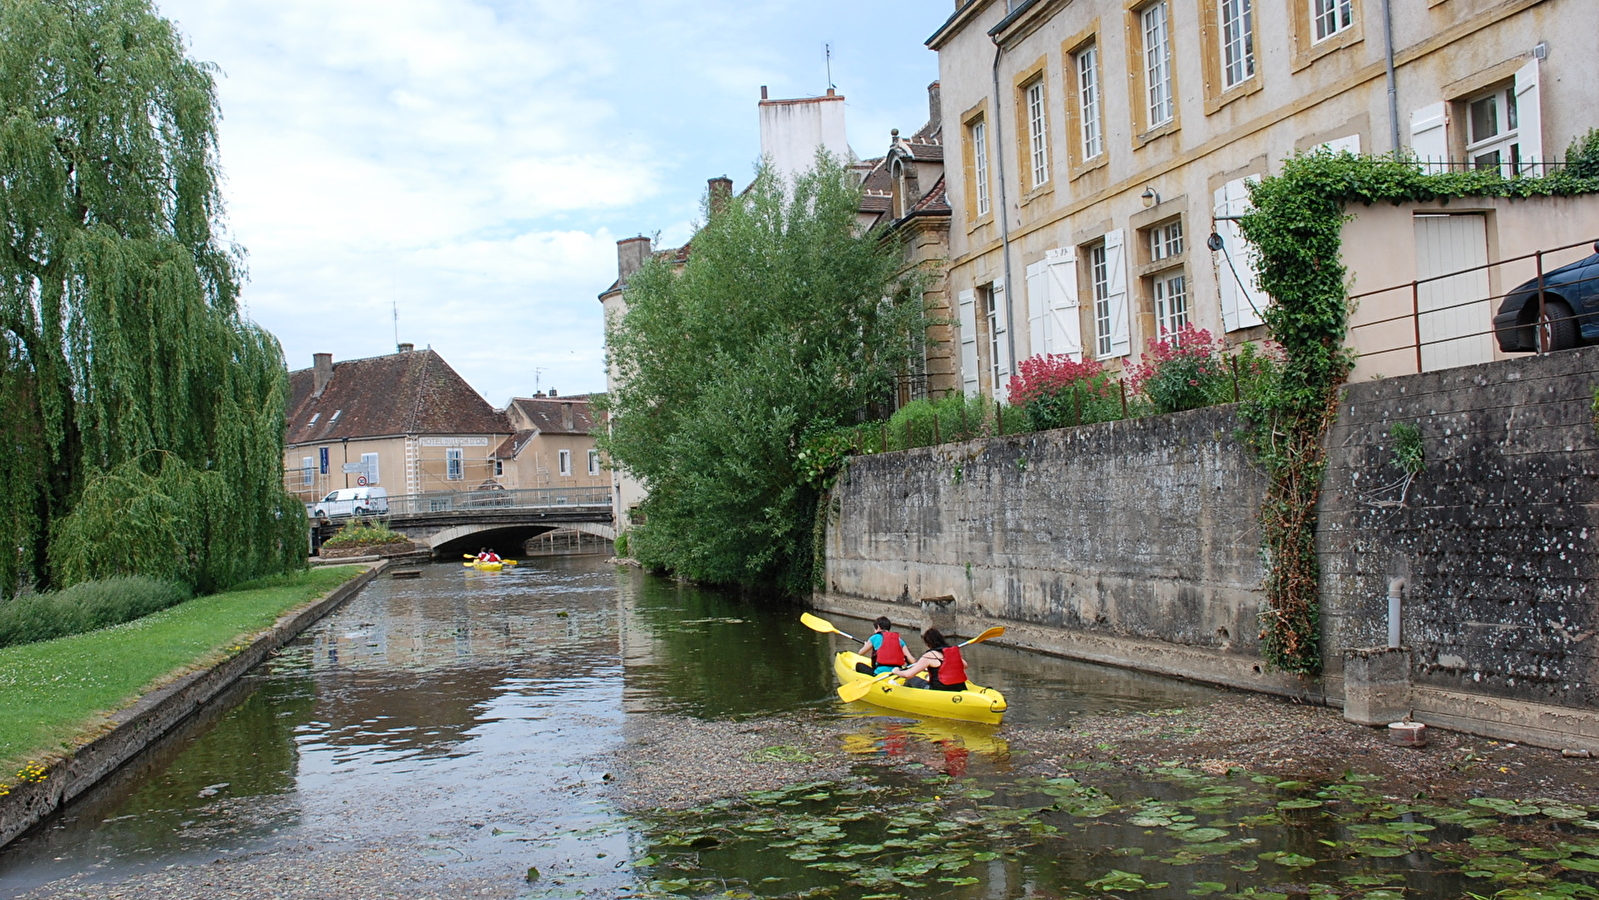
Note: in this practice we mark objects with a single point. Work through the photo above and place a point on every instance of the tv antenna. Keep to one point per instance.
(827, 50)
(396, 305)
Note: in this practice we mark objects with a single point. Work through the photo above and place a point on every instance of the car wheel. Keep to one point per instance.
(1557, 327)
(320, 514)
(360, 511)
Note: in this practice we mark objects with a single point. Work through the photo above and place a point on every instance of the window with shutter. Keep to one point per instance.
(1063, 327)
(1241, 300)
(1429, 139)
(1038, 308)
(1121, 341)
(968, 327)
(999, 339)
(369, 461)
(1530, 114)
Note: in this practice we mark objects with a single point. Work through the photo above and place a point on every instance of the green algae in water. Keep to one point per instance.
(1165, 832)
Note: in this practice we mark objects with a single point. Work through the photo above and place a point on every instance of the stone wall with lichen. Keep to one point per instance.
(1496, 538)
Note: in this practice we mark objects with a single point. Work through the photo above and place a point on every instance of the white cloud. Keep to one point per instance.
(473, 161)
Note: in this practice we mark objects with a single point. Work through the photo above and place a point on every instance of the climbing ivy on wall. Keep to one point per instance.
(1295, 227)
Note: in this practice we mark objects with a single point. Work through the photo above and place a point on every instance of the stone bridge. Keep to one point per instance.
(452, 523)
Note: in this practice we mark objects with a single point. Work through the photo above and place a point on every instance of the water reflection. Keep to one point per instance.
(471, 716)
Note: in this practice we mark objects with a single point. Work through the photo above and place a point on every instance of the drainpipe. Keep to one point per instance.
(1396, 587)
(1393, 86)
(1004, 208)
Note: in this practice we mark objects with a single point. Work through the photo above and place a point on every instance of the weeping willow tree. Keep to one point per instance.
(141, 414)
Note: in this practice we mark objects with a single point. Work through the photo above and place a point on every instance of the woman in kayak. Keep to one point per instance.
(885, 648)
(942, 662)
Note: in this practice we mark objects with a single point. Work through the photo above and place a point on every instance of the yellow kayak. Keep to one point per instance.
(975, 704)
(489, 566)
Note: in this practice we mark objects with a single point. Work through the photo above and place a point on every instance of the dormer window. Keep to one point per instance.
(336, 414)
(314, 417)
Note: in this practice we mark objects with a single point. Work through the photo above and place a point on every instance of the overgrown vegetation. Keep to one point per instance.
(85, 607)
(141, 413)
(63, 684)
(776, 327)
(1409, 454)
(1296, 230)
(1056, 392)
(362, 533)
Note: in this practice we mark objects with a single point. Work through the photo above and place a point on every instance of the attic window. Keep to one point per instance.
(336, 414)
(314, 417)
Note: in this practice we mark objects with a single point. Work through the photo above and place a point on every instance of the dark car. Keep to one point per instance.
(1570, 309)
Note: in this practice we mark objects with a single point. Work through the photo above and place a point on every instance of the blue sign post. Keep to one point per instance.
(324, 460)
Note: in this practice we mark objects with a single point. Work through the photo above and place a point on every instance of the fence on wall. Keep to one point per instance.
(1445, 319)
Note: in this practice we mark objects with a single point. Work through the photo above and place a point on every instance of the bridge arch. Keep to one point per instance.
(467, 538)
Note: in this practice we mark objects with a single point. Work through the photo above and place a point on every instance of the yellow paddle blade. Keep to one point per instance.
(855, 690)
(468, 556)
(512, 562)
(468, 565)
(987, 634)
(817, 623)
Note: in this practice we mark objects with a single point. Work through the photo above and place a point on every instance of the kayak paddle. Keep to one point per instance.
(817, 623)
(855, 690)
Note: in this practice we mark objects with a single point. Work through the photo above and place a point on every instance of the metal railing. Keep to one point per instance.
(1409, 321)
(435, 502)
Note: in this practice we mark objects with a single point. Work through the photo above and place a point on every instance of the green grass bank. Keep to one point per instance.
(54, 691)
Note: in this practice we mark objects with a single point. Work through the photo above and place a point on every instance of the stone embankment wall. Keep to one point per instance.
(1495, 539)
(1136, 543)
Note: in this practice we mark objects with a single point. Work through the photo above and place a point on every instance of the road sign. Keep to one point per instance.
(355, 468)
(360, 481)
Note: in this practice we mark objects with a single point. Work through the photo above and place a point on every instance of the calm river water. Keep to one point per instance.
(470, 716)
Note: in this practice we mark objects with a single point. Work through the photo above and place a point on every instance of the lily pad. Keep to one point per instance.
(1304, 803)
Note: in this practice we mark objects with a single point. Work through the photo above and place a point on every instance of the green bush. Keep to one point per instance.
(954, 417)
(1582, 157)
(621, 545)
(359, 532)
(88, 606)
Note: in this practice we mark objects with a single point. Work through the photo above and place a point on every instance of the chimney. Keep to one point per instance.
(720, 192)
(552, 392)
(407, 348)
(322, 372)
(763, 92)
(630, 256)
(935, 115)
(566, 417)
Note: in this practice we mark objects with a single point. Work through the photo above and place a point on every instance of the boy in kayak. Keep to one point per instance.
(487, 556)
(942, 662)
(885, 648)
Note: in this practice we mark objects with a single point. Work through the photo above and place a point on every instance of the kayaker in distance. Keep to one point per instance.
(942, 662)
(885, 648)
(488, 556)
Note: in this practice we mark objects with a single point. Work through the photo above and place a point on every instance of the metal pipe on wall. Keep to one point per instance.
(1004, 209)
(1393, 84)
(1396, 587)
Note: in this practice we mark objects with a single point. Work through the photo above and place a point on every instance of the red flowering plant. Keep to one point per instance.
(1182, 370)
(1057, 391)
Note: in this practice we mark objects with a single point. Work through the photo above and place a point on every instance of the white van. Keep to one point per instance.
(359, 501)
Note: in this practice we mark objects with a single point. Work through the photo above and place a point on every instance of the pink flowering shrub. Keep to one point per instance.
(1186, 370)
(1055, 391)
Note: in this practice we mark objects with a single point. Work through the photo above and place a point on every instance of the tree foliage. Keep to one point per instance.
(783, 321)
(142, 414)
(1297, 229)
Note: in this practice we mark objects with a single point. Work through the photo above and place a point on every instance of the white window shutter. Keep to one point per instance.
(1429, 138)
(968, 324)
(1241, 304)
(1350, 144)
(1121, 340)
(1529, 118)
(1001, 341)
(1038, 308)
(1065, 323)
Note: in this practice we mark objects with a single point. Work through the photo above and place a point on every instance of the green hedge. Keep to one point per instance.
(89, 606)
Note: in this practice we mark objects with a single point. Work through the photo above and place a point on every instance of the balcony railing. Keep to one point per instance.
(467, 502)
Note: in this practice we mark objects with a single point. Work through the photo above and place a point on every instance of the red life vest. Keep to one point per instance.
(892, 651)
(952, 670)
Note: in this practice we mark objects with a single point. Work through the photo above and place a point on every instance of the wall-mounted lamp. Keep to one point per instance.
(1151, 197)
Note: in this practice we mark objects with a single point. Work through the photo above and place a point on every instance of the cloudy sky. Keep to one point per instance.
(472, 162)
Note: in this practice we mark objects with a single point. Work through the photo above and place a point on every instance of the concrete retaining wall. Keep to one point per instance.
(1136, 544)
(140, 725)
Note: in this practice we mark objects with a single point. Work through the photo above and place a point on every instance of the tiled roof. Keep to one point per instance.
(547, 414)
(934, 201)
(513, 445)
(402, 393)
